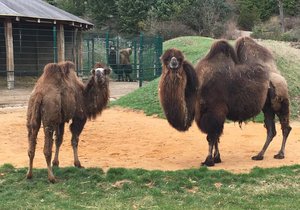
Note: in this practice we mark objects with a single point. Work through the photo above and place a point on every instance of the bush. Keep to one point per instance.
(271, 30)
(170, 29)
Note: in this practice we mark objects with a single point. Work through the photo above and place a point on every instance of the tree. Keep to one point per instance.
(204, 15)
(132, 15)
(103, 13)
(76, 7)
(281, 15)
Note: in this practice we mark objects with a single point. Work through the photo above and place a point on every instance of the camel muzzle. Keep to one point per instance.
(173, 63)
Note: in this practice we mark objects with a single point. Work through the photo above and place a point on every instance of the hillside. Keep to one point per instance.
(194, 48)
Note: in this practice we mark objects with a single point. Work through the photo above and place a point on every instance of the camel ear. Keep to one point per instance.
(93, 72)
(107, 71)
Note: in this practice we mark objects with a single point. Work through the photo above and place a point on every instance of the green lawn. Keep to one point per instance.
(194, 48)
(141, 189)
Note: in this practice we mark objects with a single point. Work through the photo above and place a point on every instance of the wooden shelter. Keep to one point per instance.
(34, 33)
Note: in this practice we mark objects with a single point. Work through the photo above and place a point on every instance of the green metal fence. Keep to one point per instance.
(132, 58)
(35, 47)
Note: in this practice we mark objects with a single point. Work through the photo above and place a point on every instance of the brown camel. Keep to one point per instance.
(58, 97)
(177, 89)
(226, 90)
(277, 103)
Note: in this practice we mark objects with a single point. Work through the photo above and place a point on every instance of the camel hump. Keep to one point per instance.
(67, 67)
(52, 70)
(247, 47)
(222, 47)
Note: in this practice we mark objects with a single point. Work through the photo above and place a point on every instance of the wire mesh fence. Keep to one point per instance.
(132, 58)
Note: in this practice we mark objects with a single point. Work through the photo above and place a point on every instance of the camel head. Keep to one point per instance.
(172, 60)
(100, 73)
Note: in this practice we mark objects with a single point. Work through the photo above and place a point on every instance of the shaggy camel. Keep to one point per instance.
(226, 90)
(59, 96)
(248, 51)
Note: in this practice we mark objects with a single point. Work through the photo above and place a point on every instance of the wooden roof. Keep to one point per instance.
(40, 11)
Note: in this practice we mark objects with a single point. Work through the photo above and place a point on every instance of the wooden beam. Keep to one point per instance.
(61, 43)
(10, 66)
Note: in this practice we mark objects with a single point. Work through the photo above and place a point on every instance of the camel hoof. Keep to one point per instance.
(279, 156)
(29, 175)
(209, 161)
(217, 159)
(258, 157)
(55, 163)
(52, 179)
(78, 165)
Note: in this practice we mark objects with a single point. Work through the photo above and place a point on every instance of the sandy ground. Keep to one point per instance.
(124, 138)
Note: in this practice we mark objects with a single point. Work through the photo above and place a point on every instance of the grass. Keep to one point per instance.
(121, 188)
(194, 48)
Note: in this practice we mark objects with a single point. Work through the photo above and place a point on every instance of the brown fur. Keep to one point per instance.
(248, 51)
(177, 90)
(59, 96)
(227, 90)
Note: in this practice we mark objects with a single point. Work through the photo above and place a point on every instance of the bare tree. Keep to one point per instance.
(281, 15)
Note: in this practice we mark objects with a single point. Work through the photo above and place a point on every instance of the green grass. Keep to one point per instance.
(121, 188)
(194, 48)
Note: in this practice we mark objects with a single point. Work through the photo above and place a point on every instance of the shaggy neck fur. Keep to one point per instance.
(177, 92)
(96, 97)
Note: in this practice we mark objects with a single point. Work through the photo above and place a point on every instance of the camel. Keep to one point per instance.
(226, 89)
(277, 103)
(58, 97)
(124, 66)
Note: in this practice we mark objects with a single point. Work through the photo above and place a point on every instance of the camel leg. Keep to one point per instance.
(209, 161)
(212, 123)
(58, 142)
(76, 128)
(269, 116)
(285, 127)
(217, 157)
(32, 135)
(48, 151)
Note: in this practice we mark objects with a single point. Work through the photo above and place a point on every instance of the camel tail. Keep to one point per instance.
(34, 112)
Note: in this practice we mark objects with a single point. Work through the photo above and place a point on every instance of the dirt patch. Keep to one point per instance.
(19, 96)
(124, 138)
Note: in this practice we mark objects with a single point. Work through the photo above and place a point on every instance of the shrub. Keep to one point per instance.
(170, 29)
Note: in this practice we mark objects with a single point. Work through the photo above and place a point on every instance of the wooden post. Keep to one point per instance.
(61, 43)
(10, 66)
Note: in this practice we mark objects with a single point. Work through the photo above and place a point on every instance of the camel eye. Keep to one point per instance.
(167, 59)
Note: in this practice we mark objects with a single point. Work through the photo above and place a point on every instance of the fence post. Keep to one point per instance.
(93, 51)
(134, 56)
(141, 60)
(88, 53)
(158, 46)
(107, 47)
(10, 65)
(54, 44)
